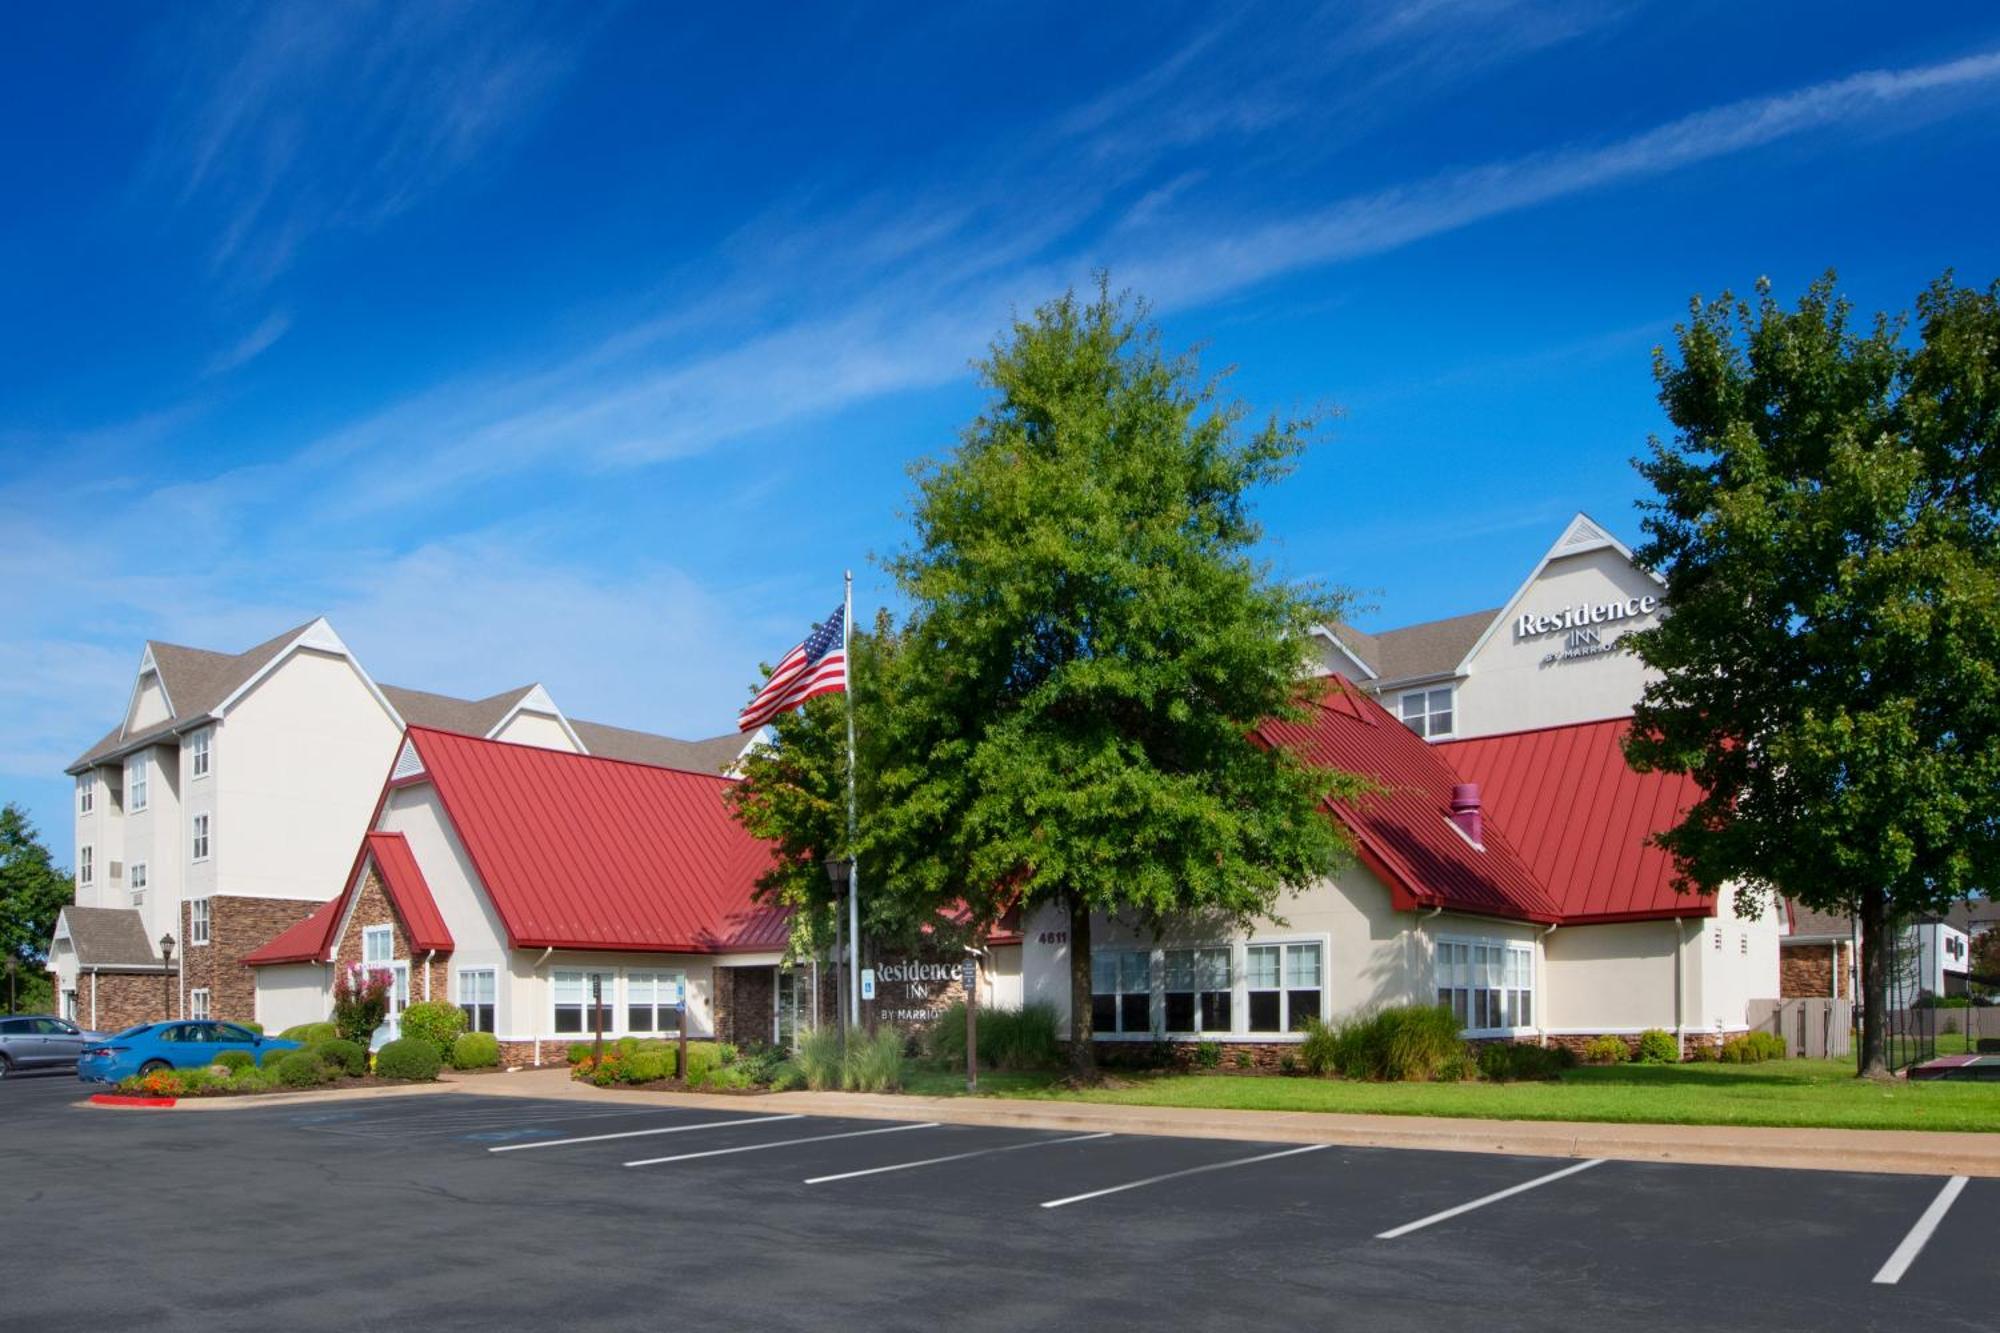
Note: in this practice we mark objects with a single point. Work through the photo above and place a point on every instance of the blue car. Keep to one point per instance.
(182, 1045)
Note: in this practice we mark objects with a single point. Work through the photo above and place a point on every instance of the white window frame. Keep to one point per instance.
(199, 753)
(654, 978)
(1507, 991)
(612, 998)
(1428, 712)
(86, 867)
(86, 794)
(197, 922)
(135, 882)
(138, 784)
(198, 1003)
(1122, 992)
(198, 837)
(1284, 944)
(399, 980)
(1197, 989)
(464, 1002)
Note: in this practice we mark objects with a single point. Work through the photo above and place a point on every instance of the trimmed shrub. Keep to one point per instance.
(270, 1058)
(408, 1058)
(874, 1064)
(1243, 1060)
(819, 1058)
(786, 1077)
(435, 1022)
(1507, 1062)
(307, 1034)
(235, 1060)
(475, 1050)
(1704, 1052)
(249, 1078)
(1605, 1049)
(1658, 1047)
(302, 1069)
(343, 1056)
(1753, 1048)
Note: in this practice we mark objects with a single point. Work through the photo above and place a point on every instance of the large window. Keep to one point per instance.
(1121, 991)
(1282, 985)
(1428, 712)
(1197, 990)
(85, 870)
(1488, 984)
(573, 995)
(136, 783)
(476, 988)
(650, 1001)
(198, 753)
(198, 921)
(136, 883)
(198, 838)
(378, 944)
(86, 794)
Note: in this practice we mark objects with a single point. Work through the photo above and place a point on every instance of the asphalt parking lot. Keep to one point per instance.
(457, 1210)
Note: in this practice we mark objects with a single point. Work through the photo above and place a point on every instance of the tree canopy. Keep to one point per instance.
(1090, 643)
(1825, 518)
(32, 892)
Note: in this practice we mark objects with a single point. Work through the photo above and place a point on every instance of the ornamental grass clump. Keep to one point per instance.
(874, 1064)
(819, 1059)
(1407, 1043)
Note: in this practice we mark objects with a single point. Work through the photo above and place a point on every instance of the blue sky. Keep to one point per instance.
(588, 344)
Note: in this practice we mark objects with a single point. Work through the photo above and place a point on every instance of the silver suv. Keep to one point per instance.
(38, 1041)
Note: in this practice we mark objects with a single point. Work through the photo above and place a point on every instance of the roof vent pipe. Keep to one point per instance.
(1465, 809)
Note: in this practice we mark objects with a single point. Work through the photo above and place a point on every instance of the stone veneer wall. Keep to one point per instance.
(373, 908)
(1812, 970)
(124, 999)
(237, 927)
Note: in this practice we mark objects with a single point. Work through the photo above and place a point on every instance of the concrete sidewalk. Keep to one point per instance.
(1909, 1152)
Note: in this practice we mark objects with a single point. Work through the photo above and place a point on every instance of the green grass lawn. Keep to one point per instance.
(1803, 1093)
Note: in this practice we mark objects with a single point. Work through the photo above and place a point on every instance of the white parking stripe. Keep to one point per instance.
(642, 1133)
(956, 1157)
(782, 1143)
(1495, 1197)
(1920, 1234)
(1176, 1175)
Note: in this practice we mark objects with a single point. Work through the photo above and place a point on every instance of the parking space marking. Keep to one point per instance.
(641, 1133)
(956, 1157)
(1920, 1234)
(1176, 1175)
(1494, 1197)
(781, 1143)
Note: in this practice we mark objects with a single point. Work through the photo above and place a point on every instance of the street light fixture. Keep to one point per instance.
(166, 975)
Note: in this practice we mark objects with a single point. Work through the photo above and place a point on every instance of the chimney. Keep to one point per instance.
(1465, 809)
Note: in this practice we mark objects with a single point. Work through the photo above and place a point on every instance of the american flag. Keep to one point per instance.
(817, 666)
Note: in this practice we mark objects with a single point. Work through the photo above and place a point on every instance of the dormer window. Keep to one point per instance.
(1429, 713)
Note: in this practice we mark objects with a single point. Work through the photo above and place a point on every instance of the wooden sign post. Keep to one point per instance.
(969, 975)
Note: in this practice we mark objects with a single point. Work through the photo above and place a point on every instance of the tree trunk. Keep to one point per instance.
(1082, 1038)
(1873, 1059)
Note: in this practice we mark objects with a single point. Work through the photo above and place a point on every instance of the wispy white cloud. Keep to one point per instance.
(296, 118)
(252, 344)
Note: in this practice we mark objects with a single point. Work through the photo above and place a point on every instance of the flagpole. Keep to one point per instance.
(853, 861)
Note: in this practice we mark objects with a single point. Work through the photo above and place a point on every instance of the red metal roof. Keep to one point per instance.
(1403, 832)
(578, 852)
(311, 940)
(1581, 817)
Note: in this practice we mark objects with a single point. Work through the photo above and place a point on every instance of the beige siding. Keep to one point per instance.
(292, 993)
(1612, 978)
(526, 728)
(300, 760)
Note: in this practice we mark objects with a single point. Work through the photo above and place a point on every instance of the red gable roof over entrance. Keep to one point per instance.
(578, 852)
(1581, 817)
(1404, 832)
(311, 940)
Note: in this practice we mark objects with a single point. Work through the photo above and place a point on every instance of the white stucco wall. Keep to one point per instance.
(300, 761)
(289, 994)
(1734, 960)
(1614, 978)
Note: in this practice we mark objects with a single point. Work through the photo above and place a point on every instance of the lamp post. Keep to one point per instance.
(166, 975)
(13, 966)
(838, 869)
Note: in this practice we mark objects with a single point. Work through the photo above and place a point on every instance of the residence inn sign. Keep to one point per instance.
(1580, 626)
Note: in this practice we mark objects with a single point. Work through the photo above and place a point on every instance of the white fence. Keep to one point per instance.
(1816, 1028)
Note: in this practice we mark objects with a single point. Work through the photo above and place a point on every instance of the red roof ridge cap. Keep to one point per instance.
(1449, 741)
(412, 729)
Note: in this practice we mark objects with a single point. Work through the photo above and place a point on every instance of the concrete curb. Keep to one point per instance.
(1889, 1151)
(251, 1101)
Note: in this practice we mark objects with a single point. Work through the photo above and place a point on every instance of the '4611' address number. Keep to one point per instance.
(1053, 937)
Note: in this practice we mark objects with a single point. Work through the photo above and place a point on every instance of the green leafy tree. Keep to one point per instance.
(1825, 520)
(32, 892)
(1091, 642)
